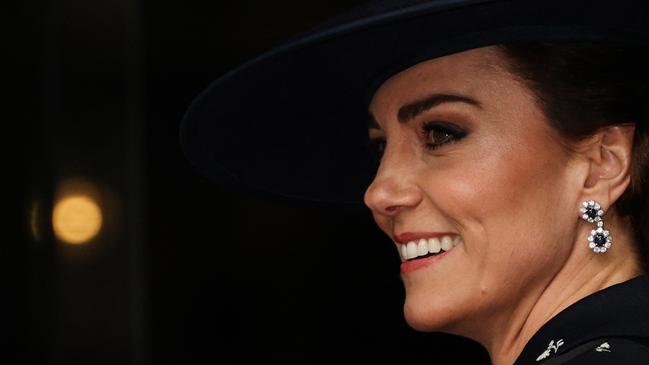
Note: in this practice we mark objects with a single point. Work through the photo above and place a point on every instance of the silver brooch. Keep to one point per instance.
(551, 346)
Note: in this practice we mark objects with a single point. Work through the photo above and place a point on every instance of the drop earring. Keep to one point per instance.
(600, 239)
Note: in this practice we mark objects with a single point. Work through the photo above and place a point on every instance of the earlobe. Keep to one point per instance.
(610, 161)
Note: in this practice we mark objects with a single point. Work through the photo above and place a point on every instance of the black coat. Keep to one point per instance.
(610, 326)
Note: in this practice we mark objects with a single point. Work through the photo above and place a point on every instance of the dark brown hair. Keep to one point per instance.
(582, 87)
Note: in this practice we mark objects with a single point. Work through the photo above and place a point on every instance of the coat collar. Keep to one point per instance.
(619, 310)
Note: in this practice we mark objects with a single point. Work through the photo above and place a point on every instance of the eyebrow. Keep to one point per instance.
(411, 110)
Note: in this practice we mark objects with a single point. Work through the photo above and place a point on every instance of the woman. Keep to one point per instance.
(512, 169)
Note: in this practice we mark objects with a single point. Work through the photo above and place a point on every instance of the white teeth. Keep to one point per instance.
(422, 247)
(412, 249)
(433, 245)
(447, 243)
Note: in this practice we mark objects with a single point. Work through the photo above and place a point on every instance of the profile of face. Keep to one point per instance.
(468, 154)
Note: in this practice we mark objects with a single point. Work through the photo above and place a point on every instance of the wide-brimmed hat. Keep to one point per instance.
(293, 121)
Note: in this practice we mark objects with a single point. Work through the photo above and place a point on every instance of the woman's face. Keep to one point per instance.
(469, 155)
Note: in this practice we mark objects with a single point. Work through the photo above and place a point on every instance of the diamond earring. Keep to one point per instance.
(599, 239)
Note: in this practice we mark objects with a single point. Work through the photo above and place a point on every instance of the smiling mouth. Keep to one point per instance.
(427, 247)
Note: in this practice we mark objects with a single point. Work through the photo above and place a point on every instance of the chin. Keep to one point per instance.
(428, 316)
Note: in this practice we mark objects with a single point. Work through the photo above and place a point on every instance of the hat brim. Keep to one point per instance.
(293, 122)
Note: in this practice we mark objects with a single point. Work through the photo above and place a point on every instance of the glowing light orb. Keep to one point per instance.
(76, 219)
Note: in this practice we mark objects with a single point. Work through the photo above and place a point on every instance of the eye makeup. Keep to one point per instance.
(435, 134)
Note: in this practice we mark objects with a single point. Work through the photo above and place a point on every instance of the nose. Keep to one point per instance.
(391, 192)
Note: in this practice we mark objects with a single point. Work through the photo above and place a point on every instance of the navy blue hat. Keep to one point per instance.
(293, 121)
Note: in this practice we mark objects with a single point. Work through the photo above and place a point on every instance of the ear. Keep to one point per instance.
(609, 156)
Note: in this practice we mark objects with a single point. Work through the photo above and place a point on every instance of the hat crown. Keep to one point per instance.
(308, 128)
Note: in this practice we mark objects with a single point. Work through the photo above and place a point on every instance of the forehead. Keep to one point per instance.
(468, 73)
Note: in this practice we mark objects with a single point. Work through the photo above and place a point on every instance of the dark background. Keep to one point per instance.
(182, 271)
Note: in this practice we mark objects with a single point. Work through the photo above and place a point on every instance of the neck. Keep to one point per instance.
(583, 273)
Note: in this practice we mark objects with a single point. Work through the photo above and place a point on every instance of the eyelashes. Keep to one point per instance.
(433, 134)
(437, 134)
(377, 147)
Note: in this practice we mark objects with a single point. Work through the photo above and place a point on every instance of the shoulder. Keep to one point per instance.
(614, 350)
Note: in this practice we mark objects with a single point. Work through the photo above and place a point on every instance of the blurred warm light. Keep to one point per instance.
(76, 219)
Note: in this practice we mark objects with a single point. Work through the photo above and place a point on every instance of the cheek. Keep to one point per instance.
(504, 203)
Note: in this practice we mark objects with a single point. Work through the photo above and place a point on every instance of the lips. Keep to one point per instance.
(424, 247)
(419, 250)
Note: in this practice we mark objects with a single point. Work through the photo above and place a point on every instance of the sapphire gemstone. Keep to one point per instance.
(599, 240)
(591, 212)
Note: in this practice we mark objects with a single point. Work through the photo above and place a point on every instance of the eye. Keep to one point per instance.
(437, 134)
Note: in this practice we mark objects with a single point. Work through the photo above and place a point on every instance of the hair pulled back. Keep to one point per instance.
(583, 87)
